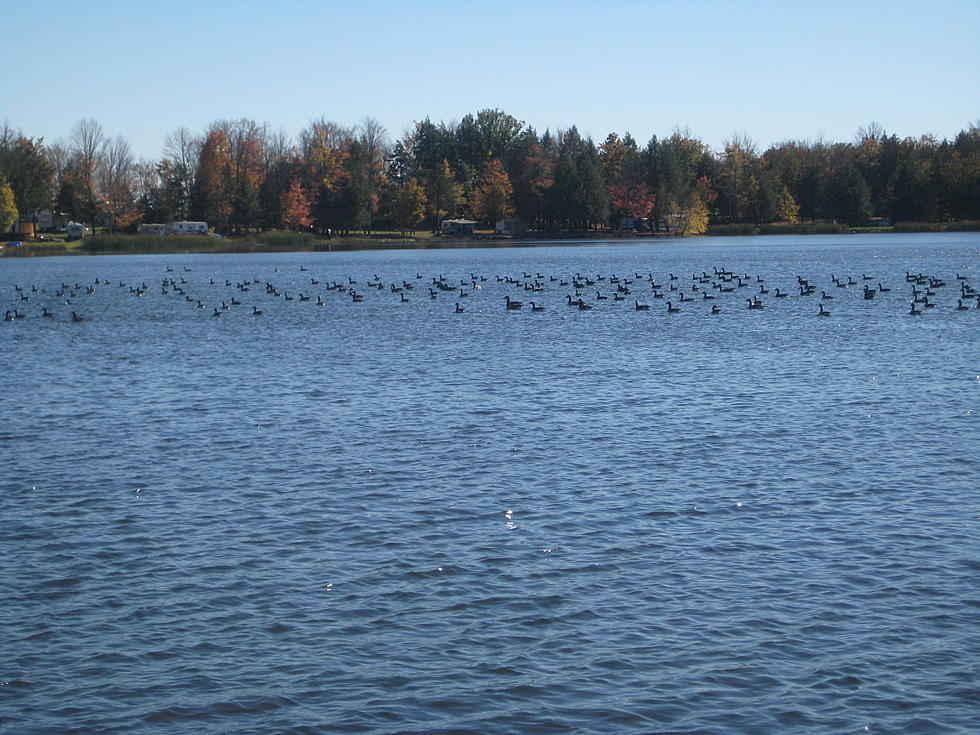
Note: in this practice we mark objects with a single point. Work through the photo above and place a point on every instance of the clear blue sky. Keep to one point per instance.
(772, 70)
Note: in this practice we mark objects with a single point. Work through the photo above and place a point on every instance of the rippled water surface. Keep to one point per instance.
(386, 517)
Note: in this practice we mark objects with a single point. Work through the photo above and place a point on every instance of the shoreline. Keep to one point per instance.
(294, 242)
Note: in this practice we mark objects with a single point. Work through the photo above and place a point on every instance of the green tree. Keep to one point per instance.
(409, 206)
(29, 173)
(443, 192)
(848, 196)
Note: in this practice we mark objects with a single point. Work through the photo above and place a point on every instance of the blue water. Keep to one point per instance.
(385, 517)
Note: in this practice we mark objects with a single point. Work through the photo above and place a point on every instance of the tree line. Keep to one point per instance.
(240, 175)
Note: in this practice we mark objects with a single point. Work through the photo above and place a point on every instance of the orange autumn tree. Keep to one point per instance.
(296, 207)
(492, 198)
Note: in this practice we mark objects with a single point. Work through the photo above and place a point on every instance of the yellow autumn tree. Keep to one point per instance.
(8, 209)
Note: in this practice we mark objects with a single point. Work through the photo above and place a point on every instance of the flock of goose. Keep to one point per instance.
(704, 291)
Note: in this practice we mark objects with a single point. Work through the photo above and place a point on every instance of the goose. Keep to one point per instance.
(535, 307)
(216, 313)
(882, 288)
(514, 305)
(45, 312)
(715, 309)
(459, 309)
(641, 307)
(826, 296)
(754, 304)
(823, 312)
(404, 298)
(706, 296)
(600, 297)
(583, 306)
(960, 306)
(75, 317)
(256, 312)
(671, 309)
(576, 302)
(913, 311)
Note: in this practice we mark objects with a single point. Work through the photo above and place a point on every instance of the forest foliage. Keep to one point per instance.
(242, 176)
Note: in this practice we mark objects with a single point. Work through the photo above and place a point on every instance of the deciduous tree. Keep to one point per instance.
(8, 207)
(409, 206)
(492, 199)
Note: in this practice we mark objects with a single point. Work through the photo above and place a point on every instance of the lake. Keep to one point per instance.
(383, 516)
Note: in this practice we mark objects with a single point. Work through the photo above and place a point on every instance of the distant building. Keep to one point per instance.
(152, 229)
(188, 228)
(76, 230)
(457, 226)
(24, 227)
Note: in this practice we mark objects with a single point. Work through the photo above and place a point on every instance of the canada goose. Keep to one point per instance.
(913, 311)
(514, 305)
(826, 296)
(256, 312)
(641, 307)
(823, 312)
(45, 312)
(583, 306)
(882, 288)
(960, 306)
(459, 309)
(535, 307)
(75, 317)
(754, 304)
(715, 309)
(671, 309)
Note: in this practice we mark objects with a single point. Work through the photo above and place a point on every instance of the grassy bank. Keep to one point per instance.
(779, 228)
(281, 242)
(841, 229)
